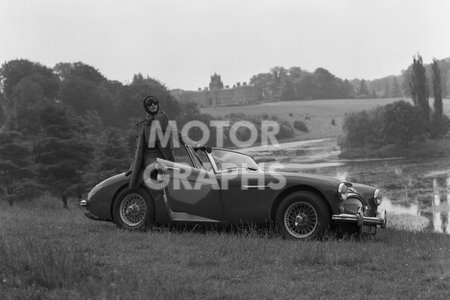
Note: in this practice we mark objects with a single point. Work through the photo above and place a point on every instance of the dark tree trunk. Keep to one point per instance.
(64, 200)
(437, 90)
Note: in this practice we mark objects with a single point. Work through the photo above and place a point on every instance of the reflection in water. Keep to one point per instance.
(440, 209)
(400, 208)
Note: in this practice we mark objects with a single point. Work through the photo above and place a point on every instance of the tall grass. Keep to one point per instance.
(49, 264)
(58, 253)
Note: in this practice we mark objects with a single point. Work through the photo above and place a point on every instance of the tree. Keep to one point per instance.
(81, 94)
(348, 91)
(326, 84)
(295, 73)
(440, 123)
(61, 152)
(363, 91)
(387, 91)
(15, 167)
(278, 75)
(265, 82)
(419, 87)
(28, 101)
(14, 71)
(111, 157)
(65, 71)
(26, 86)
(3, 114)
(437, 90)
(395, 89)
(288, 91)
(307, 86)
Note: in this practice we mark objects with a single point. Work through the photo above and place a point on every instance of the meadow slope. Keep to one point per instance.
(324, 118)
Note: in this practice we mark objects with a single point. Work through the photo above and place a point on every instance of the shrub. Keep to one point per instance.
(301, 126)
(439, 127)
(397, 123)
(286, 131)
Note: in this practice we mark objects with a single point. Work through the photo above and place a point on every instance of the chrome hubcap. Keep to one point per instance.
(300, 219)
(132, 210)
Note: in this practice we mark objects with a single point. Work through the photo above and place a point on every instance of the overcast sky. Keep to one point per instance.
(182, 42)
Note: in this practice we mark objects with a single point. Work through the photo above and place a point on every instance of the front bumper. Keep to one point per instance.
(87, 213)
(360, 219)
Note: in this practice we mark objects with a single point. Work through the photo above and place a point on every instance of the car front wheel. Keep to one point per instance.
(302, 215)
(133, 209)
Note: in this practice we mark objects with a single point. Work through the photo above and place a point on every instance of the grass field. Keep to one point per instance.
(317, 114)
(49, 252)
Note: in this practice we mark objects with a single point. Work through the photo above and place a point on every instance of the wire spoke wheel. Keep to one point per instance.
(301, 220)
(132, 210)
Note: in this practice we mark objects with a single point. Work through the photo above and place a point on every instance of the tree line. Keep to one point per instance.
(295, 83)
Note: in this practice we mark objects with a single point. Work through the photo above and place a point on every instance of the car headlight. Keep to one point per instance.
(342, 191)
(377, 196)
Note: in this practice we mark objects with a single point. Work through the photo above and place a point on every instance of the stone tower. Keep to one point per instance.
(216, 83)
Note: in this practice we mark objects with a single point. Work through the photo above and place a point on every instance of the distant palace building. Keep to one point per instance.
(218, 95)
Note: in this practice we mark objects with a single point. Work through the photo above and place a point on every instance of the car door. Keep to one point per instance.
(247, 196)
(193, 193)
(245, 189)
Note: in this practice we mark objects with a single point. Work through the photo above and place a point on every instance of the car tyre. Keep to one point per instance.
(133, 209)
(302, 215)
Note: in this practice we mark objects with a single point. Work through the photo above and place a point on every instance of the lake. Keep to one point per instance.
(416, 193)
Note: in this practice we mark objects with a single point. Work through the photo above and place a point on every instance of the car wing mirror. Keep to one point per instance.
(205, 148)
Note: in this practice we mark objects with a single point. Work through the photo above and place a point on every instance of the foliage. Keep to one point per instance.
(298, 84)
(28, 101)
(243, 134)
(111, 156)
(437, 90)
(439, 127)
(3, 114)
(300, 125)
(61, 152)
(288, 91)
(65, 71)
(419, 86)
(15, 167)
(85, 89)
(363, 91)
(14, 71)
(26, 87)
(395, 123)
(401, 123)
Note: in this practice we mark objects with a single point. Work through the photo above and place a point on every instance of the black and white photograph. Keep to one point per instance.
(224, 149)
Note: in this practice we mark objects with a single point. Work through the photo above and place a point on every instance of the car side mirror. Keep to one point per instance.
(205, 148)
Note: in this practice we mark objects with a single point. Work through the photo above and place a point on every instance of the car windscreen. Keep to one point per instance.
(229, 160)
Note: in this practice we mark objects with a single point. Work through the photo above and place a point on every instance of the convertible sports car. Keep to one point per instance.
(216, 185)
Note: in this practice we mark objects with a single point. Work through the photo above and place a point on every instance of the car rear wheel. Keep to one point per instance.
(133, 209)
(302, 215)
